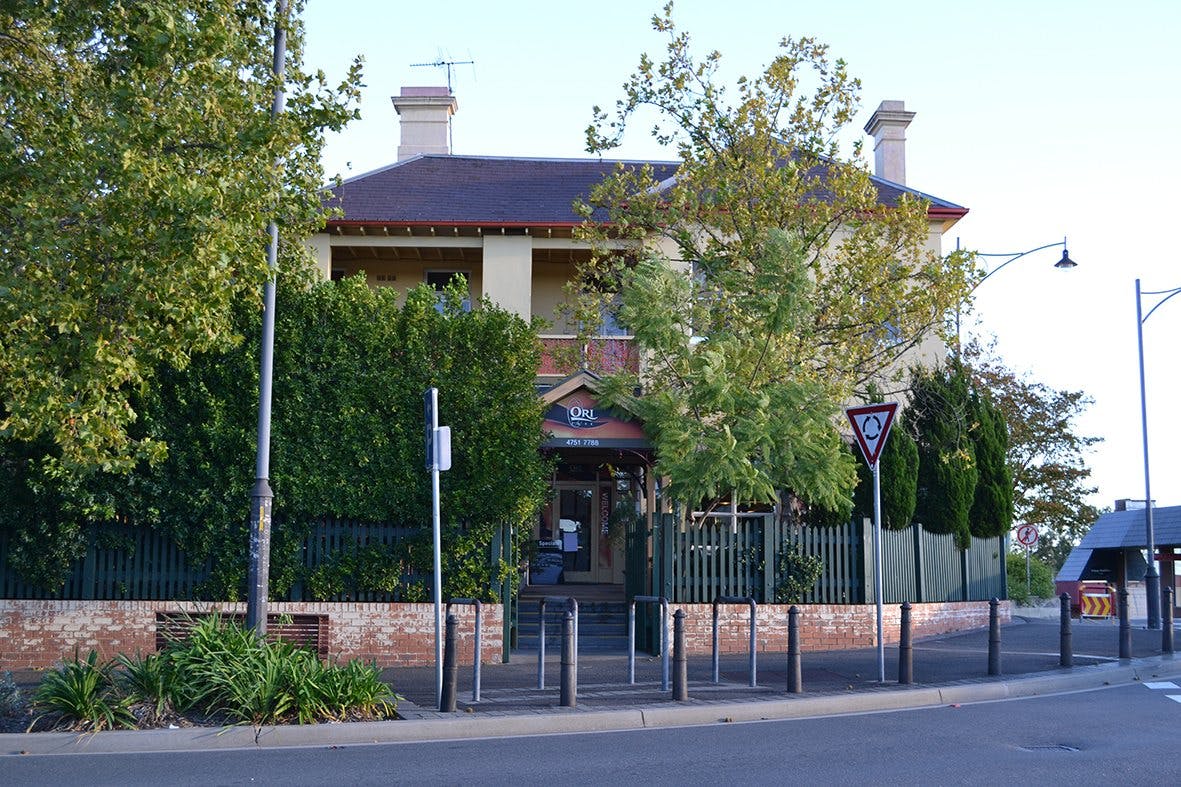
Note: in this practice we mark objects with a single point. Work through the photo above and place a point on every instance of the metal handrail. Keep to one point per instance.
(475, 602)
(753, 634)
(631, 638)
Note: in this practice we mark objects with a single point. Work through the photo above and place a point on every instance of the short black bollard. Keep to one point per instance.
(569, 678)
(1065, 638)
(795, 679)
(1125, 626)
(994, 638)
(1166, 628)
(680, 663)
(450, 668)
(905, 650)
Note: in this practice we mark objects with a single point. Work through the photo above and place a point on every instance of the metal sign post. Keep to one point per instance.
(871, 425)
(438, 457)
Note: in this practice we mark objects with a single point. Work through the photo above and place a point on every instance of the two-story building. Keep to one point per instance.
(506, 225)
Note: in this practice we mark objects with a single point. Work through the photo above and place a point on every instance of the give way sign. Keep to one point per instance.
(871, 424)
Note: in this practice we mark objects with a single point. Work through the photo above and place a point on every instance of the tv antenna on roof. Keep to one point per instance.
(447, 64)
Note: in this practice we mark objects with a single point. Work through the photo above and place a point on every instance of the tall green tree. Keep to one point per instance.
(139, 167)
(764, 284)
(992, 504)
(1046, 456)
(941, 417)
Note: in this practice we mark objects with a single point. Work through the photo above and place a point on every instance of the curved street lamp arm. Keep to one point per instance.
(1167, 293)
(1013, 258)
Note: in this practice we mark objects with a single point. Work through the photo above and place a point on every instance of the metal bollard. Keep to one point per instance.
(1125, 626)
(795, 680)
(1065, 638)
(1166, 630)
(994, 638)
(450, 668)
(905, 650)
(680, 663)
(569, 678)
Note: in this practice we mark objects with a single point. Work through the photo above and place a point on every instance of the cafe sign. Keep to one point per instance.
(578, 420)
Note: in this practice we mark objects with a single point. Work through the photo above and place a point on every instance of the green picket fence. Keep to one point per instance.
(724, 555)
(122, 561)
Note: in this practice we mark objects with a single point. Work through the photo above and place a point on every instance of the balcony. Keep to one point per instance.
(563, 355)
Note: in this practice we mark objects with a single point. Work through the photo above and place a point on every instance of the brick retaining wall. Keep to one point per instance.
(40, 633)
(826, 626)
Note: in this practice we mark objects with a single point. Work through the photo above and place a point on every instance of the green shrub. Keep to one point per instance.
(1041, 579)
(224, 669)
(795, 574)
(148, 680)
(80, 695)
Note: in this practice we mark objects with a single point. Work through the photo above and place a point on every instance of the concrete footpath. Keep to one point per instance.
(948, 669)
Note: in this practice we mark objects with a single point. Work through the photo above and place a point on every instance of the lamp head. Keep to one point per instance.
(1066, 262)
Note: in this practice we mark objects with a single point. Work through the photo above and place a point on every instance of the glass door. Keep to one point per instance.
(575, 517)
(579, 514)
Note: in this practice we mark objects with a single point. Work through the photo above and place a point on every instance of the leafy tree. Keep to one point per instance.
(941, 416)
(1046, 454)
(764, 284)
(137, 176)
(992, 506)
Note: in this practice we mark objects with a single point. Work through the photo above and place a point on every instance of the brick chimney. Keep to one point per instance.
(888, 129)
(425, 120)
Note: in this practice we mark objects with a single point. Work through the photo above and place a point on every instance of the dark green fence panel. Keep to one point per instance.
(943, 573)
(332, 540)
(717, 556)
(837, 547)
(122, 561)
(985, 561)
(898, 566)
(721, 555)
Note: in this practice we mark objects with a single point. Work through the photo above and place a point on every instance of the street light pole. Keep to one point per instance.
(1152, 590)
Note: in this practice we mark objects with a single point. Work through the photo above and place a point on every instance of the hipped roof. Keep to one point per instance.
(508, 192)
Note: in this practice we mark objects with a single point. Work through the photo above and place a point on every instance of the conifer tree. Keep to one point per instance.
(940, 415)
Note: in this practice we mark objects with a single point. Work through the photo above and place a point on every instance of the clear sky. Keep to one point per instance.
(1046, 118)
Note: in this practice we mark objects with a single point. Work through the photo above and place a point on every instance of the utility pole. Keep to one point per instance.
(261, 497)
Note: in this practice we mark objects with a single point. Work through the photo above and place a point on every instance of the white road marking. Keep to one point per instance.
(1167, 684)
(1174, 697)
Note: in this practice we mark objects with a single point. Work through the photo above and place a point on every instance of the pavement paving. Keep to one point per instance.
(948, 669)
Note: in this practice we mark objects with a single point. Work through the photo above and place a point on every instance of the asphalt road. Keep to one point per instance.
(1103, 737)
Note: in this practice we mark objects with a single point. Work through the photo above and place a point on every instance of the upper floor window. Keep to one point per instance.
(439, 279)
(610, 325)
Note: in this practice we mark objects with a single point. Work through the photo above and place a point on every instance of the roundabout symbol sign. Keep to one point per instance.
(871, 426)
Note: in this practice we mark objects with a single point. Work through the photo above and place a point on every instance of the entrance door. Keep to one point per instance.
(579, 517)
